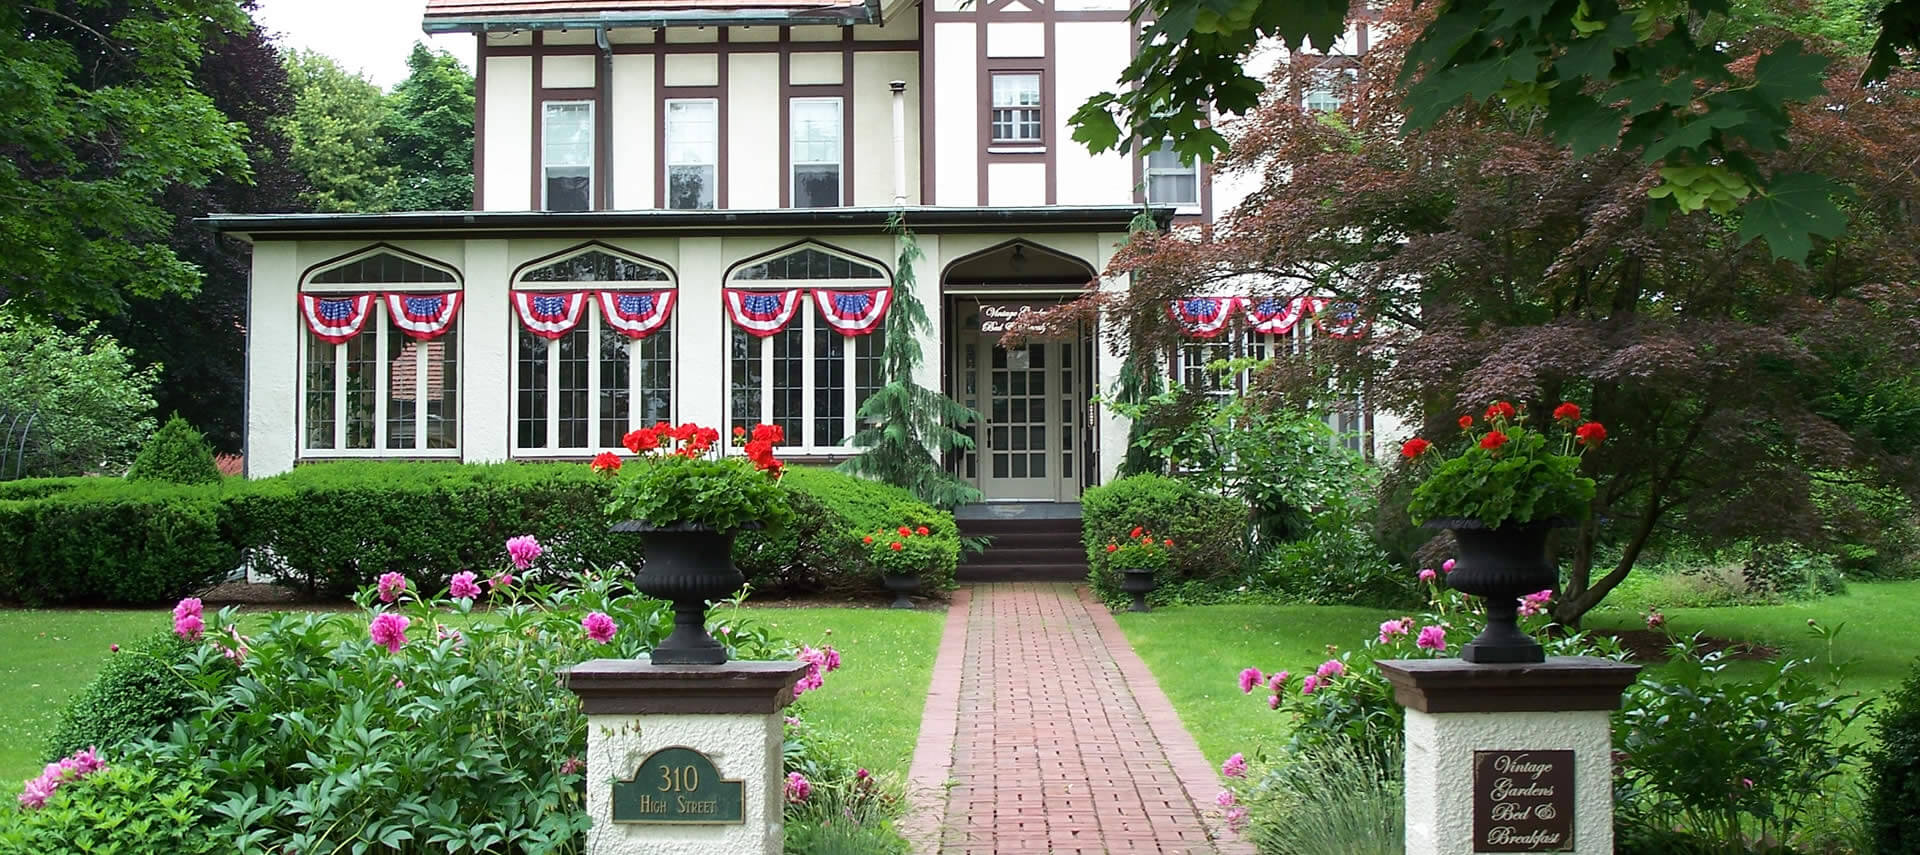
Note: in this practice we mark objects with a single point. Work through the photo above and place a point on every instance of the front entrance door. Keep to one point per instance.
(1029, 399)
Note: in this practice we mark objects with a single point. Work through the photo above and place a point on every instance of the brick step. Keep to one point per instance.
(1022, 573)
(1070, 554)
(1012, 526)
(1033, 539)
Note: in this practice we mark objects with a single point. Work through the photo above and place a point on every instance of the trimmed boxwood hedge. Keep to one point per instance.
(1207, 529)
(332, 527)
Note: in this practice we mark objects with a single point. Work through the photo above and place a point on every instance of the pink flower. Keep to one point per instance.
(793, 722)
(389, 629)
(1432, 638)
(392, 585)
(573, 765)
(1748, 782)
(1446, 566)
(503, 579)
(1330, 669)
(188, 606)
(599, 627)
(524, 549)
(1655, 619)
(1278, 681)
(189, 627)
(1225, 799)
(113, 648)
(1310, 684)
(1235, 767)
(1390, 630)
(442, 633)
(1535, 603)
(463, 586)
(1250, 677)
(797, 788)
(1237, 819)
(73, 768)
(399, 684)
(238, 652)
(1273, 701)
(1427, 574)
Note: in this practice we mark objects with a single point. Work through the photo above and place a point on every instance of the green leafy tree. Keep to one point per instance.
(428, 133)
(335, 134)
(90, 407)
(906, 427)
(177, 454)
(95, 123)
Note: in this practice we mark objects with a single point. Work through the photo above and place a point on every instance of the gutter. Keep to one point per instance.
(475, 223)
(866, 13)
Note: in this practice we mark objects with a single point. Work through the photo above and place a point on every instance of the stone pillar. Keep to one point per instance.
(729, 713)
(1509, 758)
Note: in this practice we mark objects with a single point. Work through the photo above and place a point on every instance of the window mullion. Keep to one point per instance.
(420, 390)
(807, 367)
(592, 322)
(381, 379)
(851, 371)
(340, 395)
(766, 379)
(634, 346)
(553, 394)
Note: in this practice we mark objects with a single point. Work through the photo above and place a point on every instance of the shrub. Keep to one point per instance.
(1206, 528)
(105, 540)
(134, 697)
(92, 409)
(124, 808)
(177, 454)
(842, 808)
(1893, 772)
(821, 548)
(1339, 798)
(1334, 563)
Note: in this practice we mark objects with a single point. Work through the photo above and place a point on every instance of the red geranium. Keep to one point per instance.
(867, 539)
(896, 546)
(1590, 434)
(904, 531)
(1494, 439)
(1414, 448)
(642, 440)
(739, 431)
(1500, 410)
(1112, 546)
(1466, 422)
(1136, 531)
(1169, 541)
(1567, 412)
(606, 462)
(922, 531)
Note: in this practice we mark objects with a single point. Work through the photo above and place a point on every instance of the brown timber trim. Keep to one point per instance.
(603, 131)
(725, 63)
(1050, 136)
(1560, 684)
(786, 116)
(846, 118)
(927, 135)
(660, 125)
(842, 90)
(1046, 11)
(537, 201)
(638, 687)
(480, 122)
(653, 47)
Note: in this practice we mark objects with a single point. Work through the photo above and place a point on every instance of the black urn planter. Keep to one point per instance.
(688, 565)
(1139, 583)
(901, 584)
(1500, 565)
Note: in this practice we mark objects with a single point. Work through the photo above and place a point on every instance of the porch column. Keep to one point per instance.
(487, 338)
(701, 332)
(926, 274)
(275, 339)
(1113, 426)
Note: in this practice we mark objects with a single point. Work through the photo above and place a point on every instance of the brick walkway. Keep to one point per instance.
(1044, 732)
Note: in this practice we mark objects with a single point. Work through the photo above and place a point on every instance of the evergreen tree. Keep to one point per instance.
(907, 428)
(177, 454)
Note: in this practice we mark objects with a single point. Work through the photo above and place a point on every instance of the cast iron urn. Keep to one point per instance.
(901, 584)
(1139, 583)
(688, 565)
(1500, 565)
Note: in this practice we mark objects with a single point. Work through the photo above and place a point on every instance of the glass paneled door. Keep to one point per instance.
(1028, 402)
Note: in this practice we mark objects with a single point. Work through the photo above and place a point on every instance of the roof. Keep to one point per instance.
(472, 224)
(481, 15)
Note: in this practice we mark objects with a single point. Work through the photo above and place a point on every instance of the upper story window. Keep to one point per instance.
(593, 354)
(816, 138)
(797, 363)
(380, 370)
(566, 157)
(1327, 88)
(693, 153)
(1016, 107)
(1170, 182)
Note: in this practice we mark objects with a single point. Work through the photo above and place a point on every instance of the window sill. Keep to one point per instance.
(1017, 148)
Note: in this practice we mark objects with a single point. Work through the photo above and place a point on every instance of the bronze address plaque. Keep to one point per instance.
(1523, 801)
(678, 786)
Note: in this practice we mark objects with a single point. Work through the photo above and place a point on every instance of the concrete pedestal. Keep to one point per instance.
(730, 713)
(1523, 725)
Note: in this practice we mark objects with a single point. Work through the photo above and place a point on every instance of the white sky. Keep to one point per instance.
(371, 36)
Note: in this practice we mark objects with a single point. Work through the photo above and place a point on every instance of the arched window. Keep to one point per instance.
(794, 364)
(380, 372)
(593, 355)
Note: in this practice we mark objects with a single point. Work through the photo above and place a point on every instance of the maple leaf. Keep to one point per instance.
(1793, 208)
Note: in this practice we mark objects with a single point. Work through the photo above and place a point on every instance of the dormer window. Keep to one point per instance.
(566, 139)
(1016, 107)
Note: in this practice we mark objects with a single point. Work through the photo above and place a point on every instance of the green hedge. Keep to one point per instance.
(1207, 530)
(333, 527)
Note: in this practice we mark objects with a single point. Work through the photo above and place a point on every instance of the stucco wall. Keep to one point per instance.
(1439, 772)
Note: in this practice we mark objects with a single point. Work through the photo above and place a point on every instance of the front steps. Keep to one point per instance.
(1037, 542)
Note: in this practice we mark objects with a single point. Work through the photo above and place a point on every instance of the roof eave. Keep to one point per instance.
(474, 223)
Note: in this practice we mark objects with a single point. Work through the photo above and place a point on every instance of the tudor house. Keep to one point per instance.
(680, 214)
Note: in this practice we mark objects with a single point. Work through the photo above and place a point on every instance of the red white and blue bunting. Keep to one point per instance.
(762, 313)
(336, 319)
(549, 314)
(637, 314)
(1340, 318)
(1276, 315)
(1203, 317)
(423, 316)
(853, 312)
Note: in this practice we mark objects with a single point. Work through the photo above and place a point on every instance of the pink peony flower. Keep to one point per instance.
(392, 585)
(1310, 685)
(188, 606)
(1446, 566)
(797, 788)
(1535, 603)
(463, 586)
(1225, 799)
(114, 648)
(1433, 638)
(1237, 819)
(573, 765)
(1427, 574)
(599, 627)
(189, 627)
(399, 684)
(503, 579)
(1278, 681)
(1330, 669)
(389, 629)
(1390, 630)
(1273, 701)
(1250, 677)
(72, 768)
(1235, 767)
(1655, 619)
(524, 549)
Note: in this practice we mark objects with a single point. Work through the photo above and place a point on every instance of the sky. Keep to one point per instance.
(371, 36)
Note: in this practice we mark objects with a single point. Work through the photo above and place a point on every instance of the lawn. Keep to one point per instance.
(1195, 652)
(873, 701)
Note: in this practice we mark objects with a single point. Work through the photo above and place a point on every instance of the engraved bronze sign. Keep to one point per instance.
(1523, 801)
(678, 786)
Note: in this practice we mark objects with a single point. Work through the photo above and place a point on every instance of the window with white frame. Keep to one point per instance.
(1326, 89)
(1170, 181)
(807, 378)
(566, 156)
(582, 391)
(374, 384)
(816, 135)
(693, 153)
(1016, 116)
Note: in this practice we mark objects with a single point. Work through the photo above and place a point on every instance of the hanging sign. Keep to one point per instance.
(637, 314)
(424, 316)
(1523, 801)
(1275, 315)
(678, 786)
(853, 312)
(1203, 317)
(549, 314)
(997, 317)
(762, 313)
(336, 319)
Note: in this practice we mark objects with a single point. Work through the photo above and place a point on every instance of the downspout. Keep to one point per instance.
(603, 117)
(899, 88)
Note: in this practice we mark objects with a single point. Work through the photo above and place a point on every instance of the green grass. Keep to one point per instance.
(873, 701)
(1195, 652)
